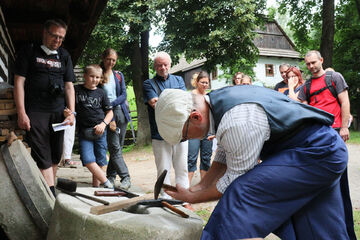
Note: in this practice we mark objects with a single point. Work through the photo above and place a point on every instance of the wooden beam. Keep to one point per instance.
(102, 209)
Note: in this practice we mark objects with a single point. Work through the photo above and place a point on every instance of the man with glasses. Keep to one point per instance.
(43, 80)
(295, 190)
(166, 154)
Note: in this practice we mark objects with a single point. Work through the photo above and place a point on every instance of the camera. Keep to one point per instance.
(56, 90)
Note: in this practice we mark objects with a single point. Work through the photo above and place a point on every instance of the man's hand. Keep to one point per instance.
(24, 121)
(182, 194)
(152, 102)
(344, 133)
(70, 118)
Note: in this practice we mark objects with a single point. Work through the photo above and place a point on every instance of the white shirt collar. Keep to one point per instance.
(48, 51)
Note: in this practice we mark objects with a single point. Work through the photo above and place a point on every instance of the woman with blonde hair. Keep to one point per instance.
(201, 83)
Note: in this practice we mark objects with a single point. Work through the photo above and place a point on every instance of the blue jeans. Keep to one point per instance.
(205, 147)
(93, 151)
(115, 141)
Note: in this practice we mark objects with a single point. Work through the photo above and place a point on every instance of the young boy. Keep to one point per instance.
(94, 113)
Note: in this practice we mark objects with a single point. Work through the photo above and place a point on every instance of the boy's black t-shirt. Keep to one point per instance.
(90, 106)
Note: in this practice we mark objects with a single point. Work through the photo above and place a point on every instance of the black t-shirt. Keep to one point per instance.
(281, 87)
(44, 77)
(90, 106)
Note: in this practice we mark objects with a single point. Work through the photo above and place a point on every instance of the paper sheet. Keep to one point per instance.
(60, 126)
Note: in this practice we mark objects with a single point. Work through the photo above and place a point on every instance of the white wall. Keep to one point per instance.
(220, 81)
(259, 69)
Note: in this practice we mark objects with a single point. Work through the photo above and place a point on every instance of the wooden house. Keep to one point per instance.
(275, 48)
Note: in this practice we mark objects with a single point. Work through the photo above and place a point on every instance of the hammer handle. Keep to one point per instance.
(169, 187)
(174, 209)
(86, 196)
(109, 193)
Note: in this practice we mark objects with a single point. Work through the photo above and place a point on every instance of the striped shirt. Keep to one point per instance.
(241, 135)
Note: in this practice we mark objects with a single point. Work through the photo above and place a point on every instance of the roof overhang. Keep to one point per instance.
(25, 18)
(282, 53)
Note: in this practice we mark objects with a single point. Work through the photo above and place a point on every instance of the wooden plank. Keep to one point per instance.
(102, 209)
(4, 131)
(8, 124)
(7, 94)
(6, 106)
(7, 112)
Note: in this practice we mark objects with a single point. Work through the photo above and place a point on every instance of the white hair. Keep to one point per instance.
(162, 55)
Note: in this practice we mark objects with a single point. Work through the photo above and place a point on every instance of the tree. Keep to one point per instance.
(327, 36)
(220, 31)
(347, 49)
(313, 25)
(124, 25)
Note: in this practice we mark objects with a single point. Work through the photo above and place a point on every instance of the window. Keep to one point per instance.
(214, 74)
(269, 70)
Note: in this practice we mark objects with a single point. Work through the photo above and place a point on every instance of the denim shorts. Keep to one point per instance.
(93, 151)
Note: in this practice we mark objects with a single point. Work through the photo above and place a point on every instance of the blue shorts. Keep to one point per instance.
(93, 151)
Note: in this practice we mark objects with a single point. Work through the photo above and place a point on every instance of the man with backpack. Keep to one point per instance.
(331, 97)
(43, 80)
(327, 90)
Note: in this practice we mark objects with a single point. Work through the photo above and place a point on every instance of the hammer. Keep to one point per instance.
(157, 188)
(69, 187)
(140, 200)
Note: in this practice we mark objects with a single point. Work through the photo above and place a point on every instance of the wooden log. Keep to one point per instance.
(8, 124)
(4, 131)
(7, 112)
(3, 138)
(7, 104)
(7, 94)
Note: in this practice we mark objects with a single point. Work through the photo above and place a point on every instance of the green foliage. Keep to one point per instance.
(120, 23)
(347, 49)
(354, 137)
(357, 222)
(220, 31)
(204, 214)
(305, 22)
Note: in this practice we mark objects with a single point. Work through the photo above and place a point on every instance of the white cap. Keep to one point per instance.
(172, 110)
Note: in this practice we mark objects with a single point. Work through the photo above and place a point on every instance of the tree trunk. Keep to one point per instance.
(327, 37)
(357, 2)
(137, 64)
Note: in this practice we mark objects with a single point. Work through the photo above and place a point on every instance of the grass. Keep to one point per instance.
(354, 137)
(357, 223)
(204, 214)
(133, 147)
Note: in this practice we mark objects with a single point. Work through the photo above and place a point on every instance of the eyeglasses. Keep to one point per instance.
(185, 137)
(204, 83)
(61, 38)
